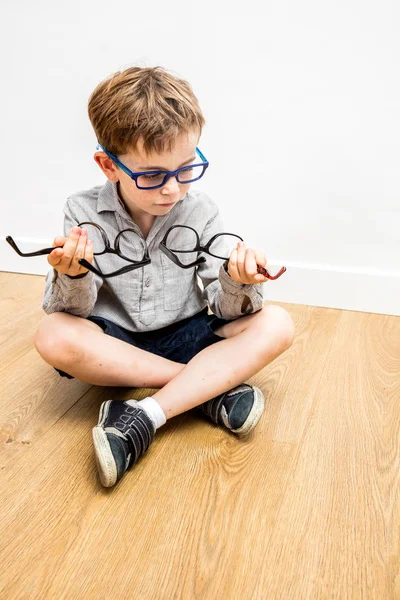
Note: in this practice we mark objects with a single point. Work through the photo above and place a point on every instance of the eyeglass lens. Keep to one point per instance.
(128, 243)
(184, 241)
(155, 179)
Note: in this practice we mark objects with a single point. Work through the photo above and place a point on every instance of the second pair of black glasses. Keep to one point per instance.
(179, 240)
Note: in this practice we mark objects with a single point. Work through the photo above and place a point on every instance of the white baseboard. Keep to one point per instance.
(349, 288)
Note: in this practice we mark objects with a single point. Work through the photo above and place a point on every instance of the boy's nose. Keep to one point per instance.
(171, 186)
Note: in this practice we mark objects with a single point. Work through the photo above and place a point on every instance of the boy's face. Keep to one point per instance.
(160, 201)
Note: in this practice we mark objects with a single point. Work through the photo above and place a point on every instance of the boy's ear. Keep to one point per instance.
(107, 166)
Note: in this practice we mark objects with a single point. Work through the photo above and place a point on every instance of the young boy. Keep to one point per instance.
(150, 327)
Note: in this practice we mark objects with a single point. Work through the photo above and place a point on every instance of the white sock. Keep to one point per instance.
(152, 408)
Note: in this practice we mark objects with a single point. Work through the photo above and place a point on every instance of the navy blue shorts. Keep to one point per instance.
(178, 342)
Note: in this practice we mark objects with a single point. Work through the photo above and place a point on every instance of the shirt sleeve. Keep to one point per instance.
(227, 298)
(76, 296)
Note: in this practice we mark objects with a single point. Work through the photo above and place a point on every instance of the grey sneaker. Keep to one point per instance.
(122, 435)
(239, 409)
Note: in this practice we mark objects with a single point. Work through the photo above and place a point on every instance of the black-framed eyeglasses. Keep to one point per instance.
(184, 240)
(185, 243)
(151, 180)
(128, 245)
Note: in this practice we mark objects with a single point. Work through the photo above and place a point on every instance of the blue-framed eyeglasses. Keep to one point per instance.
(151, 180)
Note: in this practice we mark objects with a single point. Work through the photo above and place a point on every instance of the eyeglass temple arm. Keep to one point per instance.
(264, 272)
(203, 158)
(114, 158)
(121, 271)
(14, 246)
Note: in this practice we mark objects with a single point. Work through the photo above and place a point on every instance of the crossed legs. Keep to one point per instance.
(80, 348)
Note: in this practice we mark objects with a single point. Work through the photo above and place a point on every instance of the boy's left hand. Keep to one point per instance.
(243, 263)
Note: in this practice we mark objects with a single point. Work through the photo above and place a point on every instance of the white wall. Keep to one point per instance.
(302, 101)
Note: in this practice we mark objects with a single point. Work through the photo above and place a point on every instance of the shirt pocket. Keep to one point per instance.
(178, 284)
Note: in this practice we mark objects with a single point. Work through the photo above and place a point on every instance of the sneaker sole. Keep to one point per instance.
(104, 457)
(254, 415)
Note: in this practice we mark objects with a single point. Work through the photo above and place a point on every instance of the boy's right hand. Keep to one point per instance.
(64, 259)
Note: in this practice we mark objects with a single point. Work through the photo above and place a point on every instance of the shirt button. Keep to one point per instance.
(147, 282)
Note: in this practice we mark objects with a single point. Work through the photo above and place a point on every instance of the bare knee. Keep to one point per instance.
(57, 338)
(276, 319)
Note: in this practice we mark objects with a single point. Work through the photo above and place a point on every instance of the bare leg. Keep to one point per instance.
(80, 348)
(252, 343)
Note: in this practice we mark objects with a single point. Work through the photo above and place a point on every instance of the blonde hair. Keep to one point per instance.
(143, 102)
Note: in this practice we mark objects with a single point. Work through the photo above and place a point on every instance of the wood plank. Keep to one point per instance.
(20, 314)
(306, 507)
(169, 506)
(340, 514)
(32, 398)
(291, 381)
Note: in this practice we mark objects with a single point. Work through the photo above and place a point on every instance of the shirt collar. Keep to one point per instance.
(108, 199)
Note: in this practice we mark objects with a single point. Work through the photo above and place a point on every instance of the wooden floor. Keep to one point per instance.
(306, 507)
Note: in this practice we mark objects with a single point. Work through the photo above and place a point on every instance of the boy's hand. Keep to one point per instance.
(243, 263)
(65, 259)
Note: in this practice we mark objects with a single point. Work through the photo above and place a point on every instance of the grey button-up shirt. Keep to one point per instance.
(160, 293)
